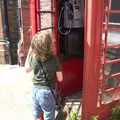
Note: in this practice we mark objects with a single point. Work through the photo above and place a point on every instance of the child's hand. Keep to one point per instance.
(59, 76)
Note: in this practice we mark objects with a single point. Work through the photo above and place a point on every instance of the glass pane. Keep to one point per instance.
(45, 5)
(112, 82)
(113, 37)
(115, 4)
(109, 97)
(115, 18)
(106, 98)
(46, 20)
(112, 69)
(113, 53)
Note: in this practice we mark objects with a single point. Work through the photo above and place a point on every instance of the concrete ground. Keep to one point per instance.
(15, 94)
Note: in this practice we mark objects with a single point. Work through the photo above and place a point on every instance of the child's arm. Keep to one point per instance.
(28, 68)
(59, 73)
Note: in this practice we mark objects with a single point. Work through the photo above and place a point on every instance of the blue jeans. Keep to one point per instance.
(43, 102)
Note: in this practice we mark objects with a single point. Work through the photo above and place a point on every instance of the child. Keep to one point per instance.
(41, 60)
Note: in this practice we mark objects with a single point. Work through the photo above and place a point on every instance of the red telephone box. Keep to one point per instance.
(99, 77)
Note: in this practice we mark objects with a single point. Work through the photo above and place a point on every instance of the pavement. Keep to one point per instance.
(15, 93)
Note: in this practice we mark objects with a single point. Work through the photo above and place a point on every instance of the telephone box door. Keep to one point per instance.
(101, 82)
(101, 79)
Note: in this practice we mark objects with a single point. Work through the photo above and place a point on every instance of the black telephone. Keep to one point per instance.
(71, 11)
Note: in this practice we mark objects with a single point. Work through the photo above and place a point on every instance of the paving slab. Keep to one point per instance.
(15, 93)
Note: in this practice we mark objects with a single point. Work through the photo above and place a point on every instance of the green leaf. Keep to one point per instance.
(94, 118)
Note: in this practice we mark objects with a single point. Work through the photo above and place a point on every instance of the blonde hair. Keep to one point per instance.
(41, 45)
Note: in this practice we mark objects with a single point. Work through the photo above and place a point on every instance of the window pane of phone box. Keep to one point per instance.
(45, 5)
(46, 20)
(113, 37)
(110, 97)
(111, 69)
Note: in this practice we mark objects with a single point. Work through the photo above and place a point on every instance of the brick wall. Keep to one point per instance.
(1, 20)
(4, 46)
(26, 25)
(13, 28)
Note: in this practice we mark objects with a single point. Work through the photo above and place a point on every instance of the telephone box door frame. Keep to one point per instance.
(93, 31)
(95, 56)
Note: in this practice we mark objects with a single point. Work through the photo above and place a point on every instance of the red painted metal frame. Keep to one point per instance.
(93, 40)
(33, 16)
(106, 29)
(93, 33)
(38, 14)
(55, 30)
(35, 20)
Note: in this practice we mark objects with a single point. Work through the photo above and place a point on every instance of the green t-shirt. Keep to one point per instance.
(48, 69)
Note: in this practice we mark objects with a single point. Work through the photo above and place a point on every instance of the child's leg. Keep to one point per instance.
(36, 108)
(43, 101)
(48, 105)
(37, 112)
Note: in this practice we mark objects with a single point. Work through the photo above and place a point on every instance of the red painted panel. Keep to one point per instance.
(93, 25)
(73, 76)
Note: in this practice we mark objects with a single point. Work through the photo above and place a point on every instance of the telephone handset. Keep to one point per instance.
(76, 9)
(68, 14)
(72, 14)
